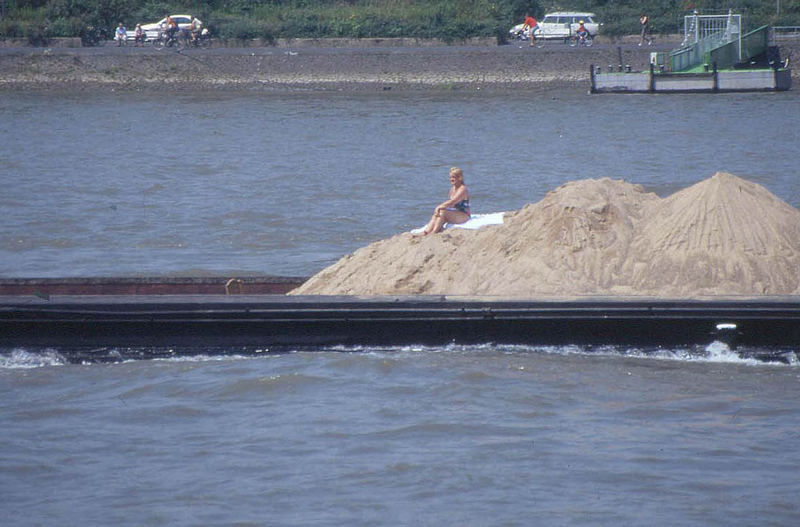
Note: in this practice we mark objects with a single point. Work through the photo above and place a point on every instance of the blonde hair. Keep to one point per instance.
(457, 171)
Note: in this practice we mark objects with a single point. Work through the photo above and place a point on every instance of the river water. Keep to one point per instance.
(285, 184)
(115, 184)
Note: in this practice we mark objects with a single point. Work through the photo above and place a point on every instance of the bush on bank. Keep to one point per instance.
(449, 20)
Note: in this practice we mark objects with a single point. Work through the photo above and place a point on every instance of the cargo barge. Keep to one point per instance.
(161, 285)
(769, 325)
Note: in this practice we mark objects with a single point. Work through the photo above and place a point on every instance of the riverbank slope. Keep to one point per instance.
(368, 64)
(381, 66)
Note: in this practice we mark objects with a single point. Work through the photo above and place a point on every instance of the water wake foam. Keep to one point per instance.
(17, 359)
(716, 352)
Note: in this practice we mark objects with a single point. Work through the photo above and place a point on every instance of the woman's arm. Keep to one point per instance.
(461, 194)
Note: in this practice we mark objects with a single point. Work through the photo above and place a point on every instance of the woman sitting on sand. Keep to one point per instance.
(455, 209)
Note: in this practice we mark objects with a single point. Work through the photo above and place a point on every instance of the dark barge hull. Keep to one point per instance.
(267, 321)
(149, 285)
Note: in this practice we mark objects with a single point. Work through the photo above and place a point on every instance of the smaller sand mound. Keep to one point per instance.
(723, 236)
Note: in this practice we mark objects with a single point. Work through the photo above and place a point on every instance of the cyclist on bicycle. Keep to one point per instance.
(196, 27)
(531, 25)
(581, 32)
(172, 27)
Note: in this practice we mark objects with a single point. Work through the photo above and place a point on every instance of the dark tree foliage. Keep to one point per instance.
(448, 19)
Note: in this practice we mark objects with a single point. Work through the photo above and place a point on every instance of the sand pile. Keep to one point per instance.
(722, 236)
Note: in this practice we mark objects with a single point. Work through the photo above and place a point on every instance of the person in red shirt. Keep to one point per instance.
(530, 24)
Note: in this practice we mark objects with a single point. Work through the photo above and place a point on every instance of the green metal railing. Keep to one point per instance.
(786, 32)
(714, 49)
(689, 56)
(710, 39)
(735, 52)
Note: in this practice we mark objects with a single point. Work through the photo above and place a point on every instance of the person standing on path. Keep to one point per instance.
(644, 21)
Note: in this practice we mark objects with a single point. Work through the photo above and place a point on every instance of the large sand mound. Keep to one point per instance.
(722, 236)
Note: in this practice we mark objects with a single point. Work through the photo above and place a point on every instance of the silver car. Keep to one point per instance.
(152, 30)
(565, 24)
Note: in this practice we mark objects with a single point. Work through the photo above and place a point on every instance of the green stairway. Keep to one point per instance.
(720, 49)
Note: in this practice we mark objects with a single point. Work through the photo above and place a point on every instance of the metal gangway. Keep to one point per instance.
(701, 35)
(697, 27)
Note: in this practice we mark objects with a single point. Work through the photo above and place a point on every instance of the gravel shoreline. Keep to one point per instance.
(361, 69)
(509, 67)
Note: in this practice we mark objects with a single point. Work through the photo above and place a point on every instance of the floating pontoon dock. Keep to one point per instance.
(714, 57)
(714, 81)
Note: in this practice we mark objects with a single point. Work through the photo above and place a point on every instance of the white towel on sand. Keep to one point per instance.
(476, 221)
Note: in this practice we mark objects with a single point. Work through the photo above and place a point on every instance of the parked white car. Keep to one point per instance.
(151, 30)
(562, 25)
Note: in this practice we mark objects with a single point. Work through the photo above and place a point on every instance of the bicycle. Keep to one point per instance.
(203, 40)
(164, 40)
(525, 35)
(538, 37)
(577, 40)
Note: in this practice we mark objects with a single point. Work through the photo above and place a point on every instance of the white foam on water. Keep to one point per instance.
(715, 352)
(206, 358)
(720, 352)
(19, 359)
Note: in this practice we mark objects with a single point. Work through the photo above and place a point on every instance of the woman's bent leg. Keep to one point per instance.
(454, 216)
(429, 226)
(437, 221)
(449, 216)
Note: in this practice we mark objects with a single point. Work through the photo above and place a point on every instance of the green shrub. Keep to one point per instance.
(239, 29)
(154, 10)
(66, 27)
(11, 29)
(38, 35)
(447, 19)
(62, 9)
(304, 25)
